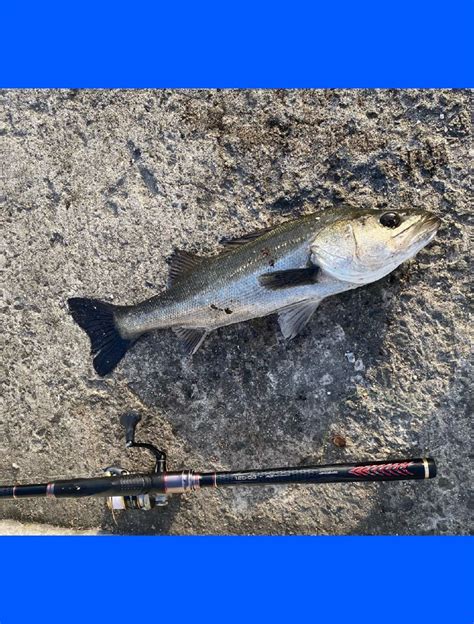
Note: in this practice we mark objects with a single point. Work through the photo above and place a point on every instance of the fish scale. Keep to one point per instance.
(228, 281)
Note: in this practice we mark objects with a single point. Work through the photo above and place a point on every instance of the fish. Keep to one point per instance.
(286, 270)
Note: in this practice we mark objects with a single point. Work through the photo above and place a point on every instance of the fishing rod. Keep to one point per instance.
(145, 491)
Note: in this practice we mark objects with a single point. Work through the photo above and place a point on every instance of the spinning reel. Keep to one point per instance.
(138, 501)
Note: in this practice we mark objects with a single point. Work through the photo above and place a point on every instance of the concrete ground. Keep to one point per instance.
(98, 187)
(14, 527)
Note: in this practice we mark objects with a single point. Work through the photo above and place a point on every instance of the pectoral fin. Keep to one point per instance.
(293, 318)
(287, 279)
(191, 338)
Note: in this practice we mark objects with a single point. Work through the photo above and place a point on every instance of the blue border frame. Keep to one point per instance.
(246, 44)
(327, 580)
(400, 43)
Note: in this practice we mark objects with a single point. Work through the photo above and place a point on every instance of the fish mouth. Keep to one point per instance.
(429, 226)
(423, 231)
(432, 221)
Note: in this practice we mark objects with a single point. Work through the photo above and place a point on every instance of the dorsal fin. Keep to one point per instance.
(182, 262)
(246, 238)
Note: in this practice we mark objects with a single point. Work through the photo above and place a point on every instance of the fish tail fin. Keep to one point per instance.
(97, 319)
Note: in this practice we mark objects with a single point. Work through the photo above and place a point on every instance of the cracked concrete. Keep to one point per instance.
(98, 187)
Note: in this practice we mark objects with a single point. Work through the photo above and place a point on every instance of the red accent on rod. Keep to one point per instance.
(383, 470)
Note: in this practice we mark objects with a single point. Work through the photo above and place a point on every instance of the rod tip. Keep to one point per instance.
(430, 467)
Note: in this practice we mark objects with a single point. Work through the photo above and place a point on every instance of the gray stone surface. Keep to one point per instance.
(14, 527)
(98, 187)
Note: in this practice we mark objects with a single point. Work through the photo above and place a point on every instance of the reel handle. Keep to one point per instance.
(130, 421)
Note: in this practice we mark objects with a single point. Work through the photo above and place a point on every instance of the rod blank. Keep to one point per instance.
(186, 480)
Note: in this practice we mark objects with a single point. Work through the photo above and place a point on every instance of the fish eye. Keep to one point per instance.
(390, 219)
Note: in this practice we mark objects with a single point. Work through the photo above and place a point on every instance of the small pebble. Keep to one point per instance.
(326, 379)
(339, 441)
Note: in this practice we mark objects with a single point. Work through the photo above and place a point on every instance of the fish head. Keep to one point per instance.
(362, 246)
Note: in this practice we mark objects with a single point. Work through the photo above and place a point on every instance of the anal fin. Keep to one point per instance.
(293, 318)
(191, 338)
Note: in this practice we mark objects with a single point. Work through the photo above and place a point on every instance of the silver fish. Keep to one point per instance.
(288, 269)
